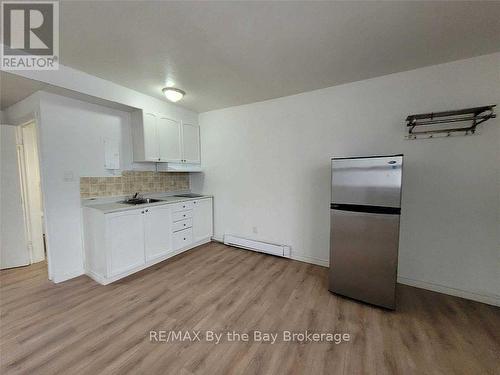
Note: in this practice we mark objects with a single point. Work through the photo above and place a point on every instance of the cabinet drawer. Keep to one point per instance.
(182, 215)
(183, 224)
(182, 206)
(182, 238)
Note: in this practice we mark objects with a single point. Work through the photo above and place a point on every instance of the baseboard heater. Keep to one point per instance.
(262, 247)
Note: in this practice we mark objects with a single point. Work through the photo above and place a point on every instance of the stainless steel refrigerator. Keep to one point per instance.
(364, 228)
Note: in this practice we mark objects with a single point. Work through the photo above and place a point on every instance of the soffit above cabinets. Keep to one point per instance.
(14, 88)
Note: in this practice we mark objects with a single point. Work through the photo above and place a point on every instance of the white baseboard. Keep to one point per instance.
(97, 278)
(67, 275)
(489, 299)
(218, 239)
(308, 259)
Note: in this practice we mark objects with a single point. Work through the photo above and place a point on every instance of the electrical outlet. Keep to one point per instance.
(255, 230)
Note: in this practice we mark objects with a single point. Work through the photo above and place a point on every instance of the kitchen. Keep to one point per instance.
(214, 213)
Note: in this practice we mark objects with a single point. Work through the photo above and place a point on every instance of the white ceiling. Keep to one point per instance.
(230, 53)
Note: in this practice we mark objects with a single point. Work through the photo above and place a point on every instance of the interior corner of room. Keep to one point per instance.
(98, 146)
(235, 169)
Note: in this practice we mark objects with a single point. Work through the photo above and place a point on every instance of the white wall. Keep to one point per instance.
(268, 166)
(71, 138)
(23, 111)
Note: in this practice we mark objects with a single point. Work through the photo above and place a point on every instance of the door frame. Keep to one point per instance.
(24, 193)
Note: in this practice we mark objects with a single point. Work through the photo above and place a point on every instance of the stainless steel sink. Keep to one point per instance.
(135, 201)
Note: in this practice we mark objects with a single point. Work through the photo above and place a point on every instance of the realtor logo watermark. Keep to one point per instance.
(30, 35)
(265, 337)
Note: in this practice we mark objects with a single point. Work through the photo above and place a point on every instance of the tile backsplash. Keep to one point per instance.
(133, 181)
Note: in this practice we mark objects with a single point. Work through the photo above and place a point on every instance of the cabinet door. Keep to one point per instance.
(151, 145)
(191, 143)
(202, 219)
(169, 136)
(125, 236)
(158, 231)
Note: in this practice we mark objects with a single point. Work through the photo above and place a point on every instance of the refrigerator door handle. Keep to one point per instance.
(366, 208)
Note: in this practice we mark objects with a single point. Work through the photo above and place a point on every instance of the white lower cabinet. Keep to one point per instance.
(183, 224)
(183, 238)
(125, 236)
(121, 243)
(157, 228)
(202, 219)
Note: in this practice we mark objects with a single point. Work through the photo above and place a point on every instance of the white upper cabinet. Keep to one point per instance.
(191, 143)
(151, 147)
(145, 136)
(158, 138)
(169, 137)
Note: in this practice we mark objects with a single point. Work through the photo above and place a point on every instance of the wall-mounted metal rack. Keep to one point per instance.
(431, 125)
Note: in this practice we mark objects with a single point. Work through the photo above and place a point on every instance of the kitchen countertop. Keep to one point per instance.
(107, 206)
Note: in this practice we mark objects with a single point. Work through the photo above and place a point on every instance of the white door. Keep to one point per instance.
(125, 231)
(202, 219)
(158, 231)
(169, 136)
(151, 144)
(191, 143)
(13, 248)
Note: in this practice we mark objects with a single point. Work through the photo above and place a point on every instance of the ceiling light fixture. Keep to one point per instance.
(173, 94)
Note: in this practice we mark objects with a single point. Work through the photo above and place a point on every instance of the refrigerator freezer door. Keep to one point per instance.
(374, 181)
(364, 256)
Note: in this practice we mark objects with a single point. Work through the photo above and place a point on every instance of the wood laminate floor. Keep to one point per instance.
(81, 327)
